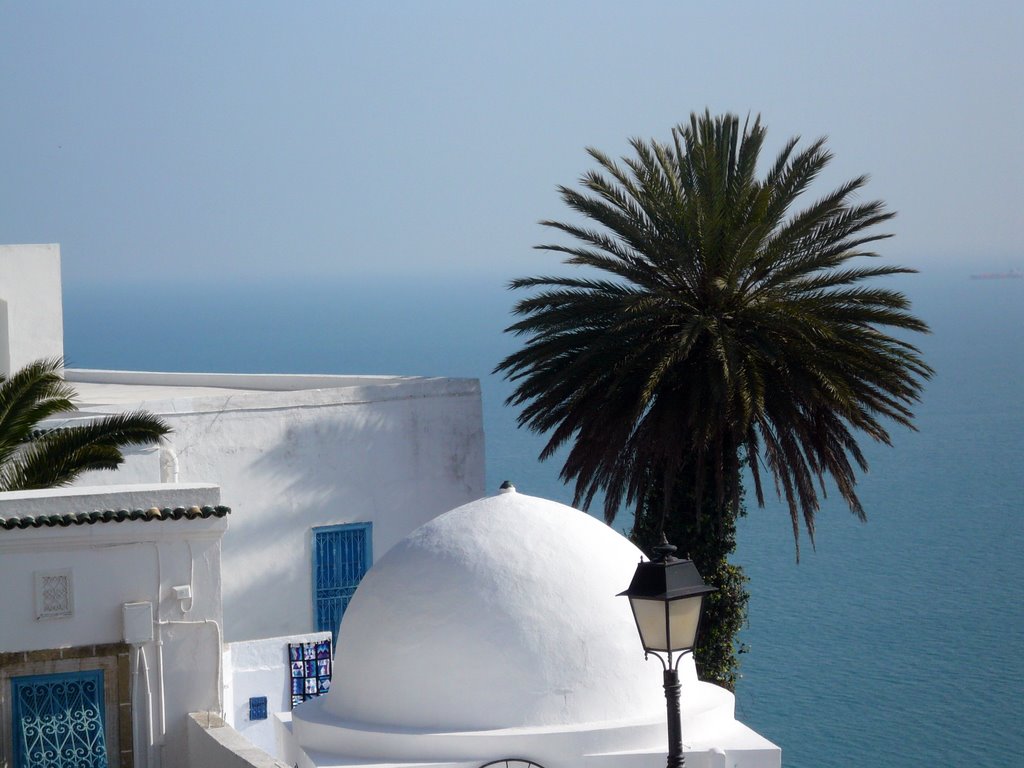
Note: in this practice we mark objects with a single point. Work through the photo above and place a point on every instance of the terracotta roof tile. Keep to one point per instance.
(112, 516)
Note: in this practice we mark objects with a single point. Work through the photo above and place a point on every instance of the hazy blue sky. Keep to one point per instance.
(252, 139)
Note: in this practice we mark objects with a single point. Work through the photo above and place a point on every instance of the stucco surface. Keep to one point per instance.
(392, 451)
(212, 743)
(494, 631)
(260, 668)
(503, 613)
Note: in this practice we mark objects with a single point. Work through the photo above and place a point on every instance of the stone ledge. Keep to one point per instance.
(212, 743)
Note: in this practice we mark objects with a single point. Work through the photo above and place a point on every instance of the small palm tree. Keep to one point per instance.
(31, 457)
(714, 327)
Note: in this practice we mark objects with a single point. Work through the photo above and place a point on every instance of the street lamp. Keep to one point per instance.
(666, 596)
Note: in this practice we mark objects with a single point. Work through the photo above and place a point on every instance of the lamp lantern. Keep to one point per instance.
(666, 596)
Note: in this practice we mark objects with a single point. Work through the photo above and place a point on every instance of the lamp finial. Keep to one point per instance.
(664, 551)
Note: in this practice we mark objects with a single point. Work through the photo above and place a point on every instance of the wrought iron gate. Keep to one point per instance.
(342, 554)
(59, 720)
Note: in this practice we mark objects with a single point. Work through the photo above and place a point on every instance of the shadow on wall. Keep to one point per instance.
(395, 464)
(319, 473)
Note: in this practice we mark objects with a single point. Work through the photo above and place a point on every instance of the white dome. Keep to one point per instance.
(499, 614)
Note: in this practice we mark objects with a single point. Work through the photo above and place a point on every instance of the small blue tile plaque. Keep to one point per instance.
(258, 708)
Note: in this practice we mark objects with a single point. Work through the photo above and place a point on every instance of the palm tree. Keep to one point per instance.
(714, 326)
(31, 457)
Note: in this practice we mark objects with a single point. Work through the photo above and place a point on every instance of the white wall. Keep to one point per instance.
(260, 668)
(392, 451)
(119, 562)
(214, 744)
(31, 313)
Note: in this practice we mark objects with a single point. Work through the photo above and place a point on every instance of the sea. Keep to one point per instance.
(893, 643)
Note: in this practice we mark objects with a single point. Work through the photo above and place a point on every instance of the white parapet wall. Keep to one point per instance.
(212, 743)
(260, 669)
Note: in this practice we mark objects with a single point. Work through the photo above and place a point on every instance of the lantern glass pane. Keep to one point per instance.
(650, 620)
(683, 618)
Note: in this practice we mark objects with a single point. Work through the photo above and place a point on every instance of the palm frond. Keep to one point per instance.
(31, 457)
(30, 395)
(730, 328)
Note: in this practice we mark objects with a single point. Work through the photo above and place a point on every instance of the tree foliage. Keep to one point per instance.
(708, 539)
(31, 457)
(712, 324)
(709, 324)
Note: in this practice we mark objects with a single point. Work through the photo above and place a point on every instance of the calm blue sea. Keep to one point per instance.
(894, 643)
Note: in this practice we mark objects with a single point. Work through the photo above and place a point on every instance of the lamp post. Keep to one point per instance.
(666, 596)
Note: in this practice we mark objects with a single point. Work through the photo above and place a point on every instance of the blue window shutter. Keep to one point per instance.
(59, 720)
(257, 707)
(342, 554)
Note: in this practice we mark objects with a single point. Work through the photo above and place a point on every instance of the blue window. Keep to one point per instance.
(59, 720)
(342, 554)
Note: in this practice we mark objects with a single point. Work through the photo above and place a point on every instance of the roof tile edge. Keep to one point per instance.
(114, 516)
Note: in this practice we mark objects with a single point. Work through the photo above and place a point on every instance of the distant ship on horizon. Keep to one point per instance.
(1013, 274)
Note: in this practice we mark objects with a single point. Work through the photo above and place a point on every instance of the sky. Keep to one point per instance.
(197, 141)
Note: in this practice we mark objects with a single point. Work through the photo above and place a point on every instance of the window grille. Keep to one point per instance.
(342, 554)
(59, 720)
(53, 595)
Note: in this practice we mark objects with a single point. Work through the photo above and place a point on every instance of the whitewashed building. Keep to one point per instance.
(110, 623)
(301, 457)
(325, 473)
(490, 633)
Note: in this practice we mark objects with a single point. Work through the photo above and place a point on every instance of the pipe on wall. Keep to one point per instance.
(168, 464)
(142, 744)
